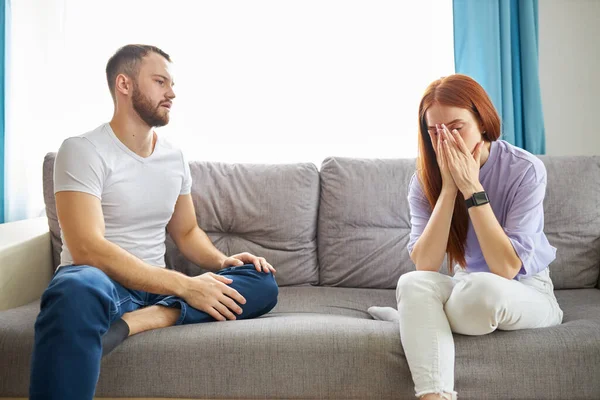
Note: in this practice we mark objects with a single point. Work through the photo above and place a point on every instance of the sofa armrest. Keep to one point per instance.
(25, 261)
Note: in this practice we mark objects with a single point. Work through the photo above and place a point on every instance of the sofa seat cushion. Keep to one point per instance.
(319, 342)
(306, 354)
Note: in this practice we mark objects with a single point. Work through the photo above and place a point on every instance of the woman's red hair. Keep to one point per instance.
(463, 92)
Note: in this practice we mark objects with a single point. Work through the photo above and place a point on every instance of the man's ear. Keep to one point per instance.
(123, 85)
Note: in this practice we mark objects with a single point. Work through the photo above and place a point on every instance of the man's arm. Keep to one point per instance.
(82, 222)
(196, 245)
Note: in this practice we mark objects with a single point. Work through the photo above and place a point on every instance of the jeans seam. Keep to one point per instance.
(436, 374)
(182, 316)
(183, 307)
(123, 300)
(138, 302)
(118, 305)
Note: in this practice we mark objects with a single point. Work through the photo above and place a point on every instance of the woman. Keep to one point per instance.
(494, 238)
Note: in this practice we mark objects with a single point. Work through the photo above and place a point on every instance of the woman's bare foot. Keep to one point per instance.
(152, 317)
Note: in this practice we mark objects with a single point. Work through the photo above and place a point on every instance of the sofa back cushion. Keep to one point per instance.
(50, 202)
(267, 210)
(364, 221)
(572, 219)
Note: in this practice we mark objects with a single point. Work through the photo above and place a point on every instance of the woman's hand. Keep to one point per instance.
(464, 166)
(436, 141)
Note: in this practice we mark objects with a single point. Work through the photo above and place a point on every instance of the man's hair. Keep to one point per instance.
(127, 61)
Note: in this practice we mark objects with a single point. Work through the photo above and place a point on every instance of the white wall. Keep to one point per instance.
(569, 34)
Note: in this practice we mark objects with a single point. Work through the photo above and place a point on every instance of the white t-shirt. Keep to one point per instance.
(137, 194)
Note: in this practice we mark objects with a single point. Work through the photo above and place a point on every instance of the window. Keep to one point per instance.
(256, 81)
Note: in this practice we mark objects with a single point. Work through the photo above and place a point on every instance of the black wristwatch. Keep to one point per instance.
(478, 199)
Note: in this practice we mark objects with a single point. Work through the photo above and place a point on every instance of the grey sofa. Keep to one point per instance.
(337, 237)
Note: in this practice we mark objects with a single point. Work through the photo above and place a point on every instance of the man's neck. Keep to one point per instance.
(134, 133)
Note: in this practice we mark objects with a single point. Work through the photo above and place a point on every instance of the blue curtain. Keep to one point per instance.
(4, 7)
(496, 43)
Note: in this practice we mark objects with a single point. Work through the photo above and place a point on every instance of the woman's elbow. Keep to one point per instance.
(424, 264)
(508, 269)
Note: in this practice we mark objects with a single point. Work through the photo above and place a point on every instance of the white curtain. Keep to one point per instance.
(265, 81)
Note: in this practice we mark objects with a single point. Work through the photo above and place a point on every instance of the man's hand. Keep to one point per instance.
(210, 293)
(246, 258)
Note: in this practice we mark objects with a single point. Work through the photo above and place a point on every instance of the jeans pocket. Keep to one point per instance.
(540, 281)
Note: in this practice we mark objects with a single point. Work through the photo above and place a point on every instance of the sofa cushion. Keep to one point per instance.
(562, 362)
(572, 219)
(320, 343)
(50, 202)
(268, 210)
(364, 222)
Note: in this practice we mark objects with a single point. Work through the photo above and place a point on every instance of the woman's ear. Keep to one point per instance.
(483, 133)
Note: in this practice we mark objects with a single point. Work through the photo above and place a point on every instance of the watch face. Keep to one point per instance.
(480, 198)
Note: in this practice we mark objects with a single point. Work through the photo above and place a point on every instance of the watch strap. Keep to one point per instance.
(478, 199)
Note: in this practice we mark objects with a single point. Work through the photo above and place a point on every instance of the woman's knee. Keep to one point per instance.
(416, 283)
(475, 304)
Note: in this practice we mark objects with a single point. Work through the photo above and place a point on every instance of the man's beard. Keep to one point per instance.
(151, 115)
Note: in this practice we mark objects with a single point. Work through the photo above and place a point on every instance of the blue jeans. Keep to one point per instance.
(78, 307)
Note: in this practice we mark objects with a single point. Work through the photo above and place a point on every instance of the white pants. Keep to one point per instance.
(431, 306)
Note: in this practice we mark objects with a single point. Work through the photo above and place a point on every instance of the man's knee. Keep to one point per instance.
(269, 288)
(259, 288)
(264, 292)
(258, 281)
(76, 286)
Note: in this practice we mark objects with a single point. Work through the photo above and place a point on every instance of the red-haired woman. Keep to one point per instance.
(478, 200)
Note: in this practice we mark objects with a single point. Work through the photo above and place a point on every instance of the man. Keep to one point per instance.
(117, 188)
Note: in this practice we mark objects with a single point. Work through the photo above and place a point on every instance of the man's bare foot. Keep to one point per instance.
(152, 317)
